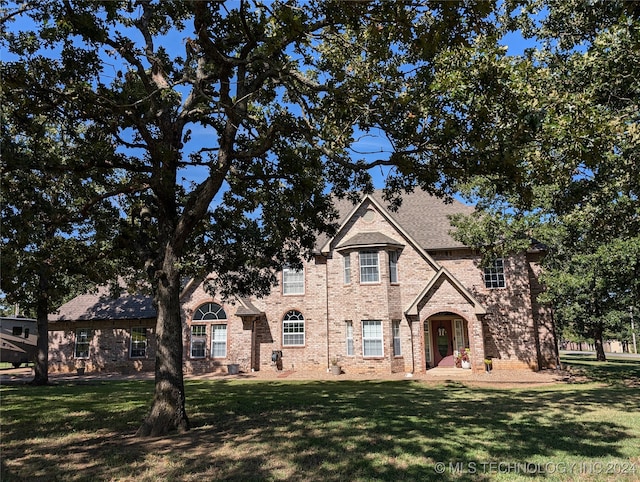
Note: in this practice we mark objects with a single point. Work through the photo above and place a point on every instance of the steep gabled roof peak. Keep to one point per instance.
(421, 215)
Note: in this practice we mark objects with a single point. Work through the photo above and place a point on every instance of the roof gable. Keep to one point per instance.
(370, 201)
(443, 274)
(423, 217)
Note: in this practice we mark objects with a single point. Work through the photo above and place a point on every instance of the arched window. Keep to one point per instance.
(209, 312)
(293, 329)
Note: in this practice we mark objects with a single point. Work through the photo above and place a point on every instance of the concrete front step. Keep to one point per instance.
(450, 372)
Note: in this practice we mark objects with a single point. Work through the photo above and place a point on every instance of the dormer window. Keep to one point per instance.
(369, 245)
(369, 267)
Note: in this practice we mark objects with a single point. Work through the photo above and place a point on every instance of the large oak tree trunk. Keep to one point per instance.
(41, 362)
(600, 356)
(168, 412)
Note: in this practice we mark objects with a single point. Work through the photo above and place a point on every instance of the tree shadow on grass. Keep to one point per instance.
(614, 371)
(348, 430)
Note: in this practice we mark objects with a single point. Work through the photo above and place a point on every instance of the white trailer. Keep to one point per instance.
(18, 340)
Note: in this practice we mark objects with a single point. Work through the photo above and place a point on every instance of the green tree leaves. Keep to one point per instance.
(580, 180)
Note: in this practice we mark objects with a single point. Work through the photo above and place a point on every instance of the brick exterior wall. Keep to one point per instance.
(516, 330)
(109, 347)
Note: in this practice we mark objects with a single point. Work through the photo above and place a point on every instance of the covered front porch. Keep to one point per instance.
(446, 339)
(449, 319)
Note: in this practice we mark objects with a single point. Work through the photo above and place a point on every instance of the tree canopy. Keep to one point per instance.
(229, 126)
(582, 164)
(55, 221)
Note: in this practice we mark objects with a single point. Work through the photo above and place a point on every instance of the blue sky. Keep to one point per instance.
(202, 136)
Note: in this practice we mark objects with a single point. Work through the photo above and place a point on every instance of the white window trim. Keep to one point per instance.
(214, 328)
(458, 330)
(397, 340)
(350, 347)
(287, 284)
(145, 331)
(393, 267)
(346, 264)
(286, 321)
(381, 355)
(494, 271)
(362, 267)
(199, 338)
(89, 335)
(214, 312)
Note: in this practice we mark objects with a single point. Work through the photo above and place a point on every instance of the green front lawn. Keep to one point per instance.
(617, 370)
(333, 430)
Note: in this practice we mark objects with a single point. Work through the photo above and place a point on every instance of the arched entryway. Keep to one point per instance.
(444, 335)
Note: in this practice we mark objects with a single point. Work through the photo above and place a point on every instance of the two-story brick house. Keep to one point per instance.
(390, 292)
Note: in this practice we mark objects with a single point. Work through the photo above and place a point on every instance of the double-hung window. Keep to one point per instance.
(372, 338)
(494, 274)
(198, 341)
(292, 281)
(219, 341)
(369, 267)
(83, 340)
(393, 266)
(138, 348)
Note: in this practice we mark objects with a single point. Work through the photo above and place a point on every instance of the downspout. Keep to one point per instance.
(413, 357)
(326, 286)
(253, 345)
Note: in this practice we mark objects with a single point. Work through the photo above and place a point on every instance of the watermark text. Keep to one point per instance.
(529, 468)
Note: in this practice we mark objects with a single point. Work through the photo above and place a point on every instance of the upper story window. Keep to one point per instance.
(346, 259)
(393, 266)
(369, 267)
(494, 274)
(292, 281)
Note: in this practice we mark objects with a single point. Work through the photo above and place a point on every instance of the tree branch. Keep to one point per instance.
(124, 190)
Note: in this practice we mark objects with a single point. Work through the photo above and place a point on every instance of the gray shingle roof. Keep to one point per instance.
(247, 308)
(423, 216)
(369, 239)
(101, 306)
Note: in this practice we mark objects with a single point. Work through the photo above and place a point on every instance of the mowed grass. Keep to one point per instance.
(325, 430)
(617, 370)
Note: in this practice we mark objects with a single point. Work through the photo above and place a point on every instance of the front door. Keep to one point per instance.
(442, 343)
